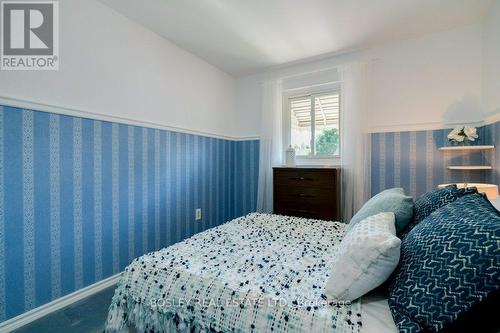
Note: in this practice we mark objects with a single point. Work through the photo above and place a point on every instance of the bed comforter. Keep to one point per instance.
(257, 273)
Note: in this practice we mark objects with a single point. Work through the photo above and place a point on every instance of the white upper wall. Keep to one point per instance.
(432, 82)
(248, 105)
(427, 82)
(491, 62)
(111, 65)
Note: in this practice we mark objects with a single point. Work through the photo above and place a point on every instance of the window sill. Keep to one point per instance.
(317, 161)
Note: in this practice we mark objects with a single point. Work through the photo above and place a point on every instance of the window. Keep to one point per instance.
(313, 121)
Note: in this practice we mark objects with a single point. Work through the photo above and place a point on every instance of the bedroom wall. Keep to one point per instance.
(80, 198)
(59, 230)
(492, 134)
(427, 83)
(417, 87)
(411, 160)
(491, 62)
(491, 81)
(112, 66)
(420, 83)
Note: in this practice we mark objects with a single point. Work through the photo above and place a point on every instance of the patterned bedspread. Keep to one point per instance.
(257, 273)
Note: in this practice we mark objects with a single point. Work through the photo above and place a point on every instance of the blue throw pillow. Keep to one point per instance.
(450, 264)
(435, 199)
(392, 200)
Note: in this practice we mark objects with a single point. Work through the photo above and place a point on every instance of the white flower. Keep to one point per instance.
(471, 133)
(454, 133)
(463, 133)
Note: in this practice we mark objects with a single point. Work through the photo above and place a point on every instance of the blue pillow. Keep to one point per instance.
(392, 200)
(449, 265)
(435, 199)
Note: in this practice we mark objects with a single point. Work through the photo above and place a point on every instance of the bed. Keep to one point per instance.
(258, 273)
(376, 314)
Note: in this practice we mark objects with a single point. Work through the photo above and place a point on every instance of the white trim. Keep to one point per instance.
(243, 138)
(492, 118)
(41, 311)
(25, 104)
(421, 126)
(470, 167)
(327, 87)
(318, 160)
(478, 147)
(432, 125)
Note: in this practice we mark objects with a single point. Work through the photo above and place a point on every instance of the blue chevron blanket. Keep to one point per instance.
(258, 273)
(449, 264)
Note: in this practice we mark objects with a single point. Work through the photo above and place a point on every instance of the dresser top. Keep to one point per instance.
(307, 167)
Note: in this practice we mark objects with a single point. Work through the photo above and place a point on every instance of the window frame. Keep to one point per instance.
(313, 92)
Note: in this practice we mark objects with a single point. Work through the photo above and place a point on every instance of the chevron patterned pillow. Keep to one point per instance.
(433, 200)
(449, 265)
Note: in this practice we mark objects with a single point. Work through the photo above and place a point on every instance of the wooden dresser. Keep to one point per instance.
(307, 192)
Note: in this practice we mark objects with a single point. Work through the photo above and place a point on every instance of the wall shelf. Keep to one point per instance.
(468, 149)
(456, 148)
(470, 167)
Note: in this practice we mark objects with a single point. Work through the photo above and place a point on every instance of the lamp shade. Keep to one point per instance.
(491, 190)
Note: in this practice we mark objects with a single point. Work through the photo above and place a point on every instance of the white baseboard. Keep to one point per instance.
(41, 311)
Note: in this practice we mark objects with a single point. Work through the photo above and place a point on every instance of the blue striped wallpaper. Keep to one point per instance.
(411, 160)
(492, 135)
(80, 198)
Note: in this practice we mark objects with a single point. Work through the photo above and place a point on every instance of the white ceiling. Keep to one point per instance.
(247, 36)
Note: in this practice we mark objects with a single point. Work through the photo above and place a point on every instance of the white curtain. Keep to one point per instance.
(271, 148)
(355, 140)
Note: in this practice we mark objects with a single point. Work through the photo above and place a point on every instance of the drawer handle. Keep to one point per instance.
(301, 178)
(302, 195)
(301, 211)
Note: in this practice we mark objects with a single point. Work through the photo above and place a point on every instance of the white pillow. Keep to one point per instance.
(366, 257)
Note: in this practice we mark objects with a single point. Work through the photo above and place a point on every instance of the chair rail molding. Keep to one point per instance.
(42, 107)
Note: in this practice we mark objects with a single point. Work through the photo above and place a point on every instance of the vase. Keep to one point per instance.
(290, 157)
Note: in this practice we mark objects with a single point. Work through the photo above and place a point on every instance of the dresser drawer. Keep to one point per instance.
(319, 179)
(305, 209)
(308, 194)
(311, 193)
